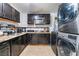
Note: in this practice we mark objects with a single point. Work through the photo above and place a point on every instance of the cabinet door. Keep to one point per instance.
(1, 14)
(40, 39)
(44, 39)
(25, 40)
(15, 44)
(17, 16)
(34, 39)
(7, 11)
(5, 49)
(21, 43)
(47, 18)
(28, 38)
(30, 19)
(13, 14)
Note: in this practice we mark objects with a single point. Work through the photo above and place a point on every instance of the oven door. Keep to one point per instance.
(65, 48)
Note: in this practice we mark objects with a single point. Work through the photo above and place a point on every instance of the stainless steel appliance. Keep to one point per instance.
(67, 44)
(68, 21)
(53, 38)
(68, 30)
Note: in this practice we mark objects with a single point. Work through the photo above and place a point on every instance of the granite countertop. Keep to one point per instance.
(5, 38)
(9, 37)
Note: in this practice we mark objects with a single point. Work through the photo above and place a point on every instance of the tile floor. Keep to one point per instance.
(37, 50)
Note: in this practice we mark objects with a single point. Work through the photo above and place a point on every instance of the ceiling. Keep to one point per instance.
(36, 7)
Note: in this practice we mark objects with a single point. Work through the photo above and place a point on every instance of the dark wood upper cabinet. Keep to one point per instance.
(30, 19)
(1, 14)
(47, 18)
(39, 19)
(15, 15)
(7, 11)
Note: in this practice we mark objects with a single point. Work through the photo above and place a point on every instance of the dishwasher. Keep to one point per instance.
(5, 48)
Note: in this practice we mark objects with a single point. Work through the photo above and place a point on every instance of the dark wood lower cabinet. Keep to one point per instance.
(18, 44)
(5, 48)
(34, 39)
(40, 39)
(15, 47)
(28, 38)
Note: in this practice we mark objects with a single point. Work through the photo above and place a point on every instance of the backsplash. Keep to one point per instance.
(37, 29)
(8, 27)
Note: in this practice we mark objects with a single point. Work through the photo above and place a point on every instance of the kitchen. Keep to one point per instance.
(35, 29)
